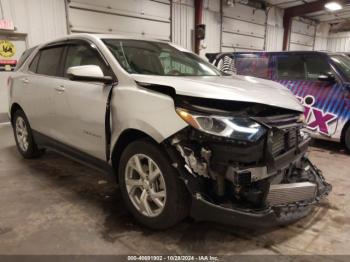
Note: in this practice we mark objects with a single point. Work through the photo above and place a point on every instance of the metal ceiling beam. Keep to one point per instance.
(301, 10)
(325, 12)
(306, 8)
(281, 4)
(336, 20)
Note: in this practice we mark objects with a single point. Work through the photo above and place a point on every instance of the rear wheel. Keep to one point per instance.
(150, 186)
(24, 136)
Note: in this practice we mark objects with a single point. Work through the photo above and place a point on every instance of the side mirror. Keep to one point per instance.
(326, 78)
(89, 73)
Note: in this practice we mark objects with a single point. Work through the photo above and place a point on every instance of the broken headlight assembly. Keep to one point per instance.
(238, 128)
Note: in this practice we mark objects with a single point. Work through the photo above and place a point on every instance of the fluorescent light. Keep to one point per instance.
(333, 6)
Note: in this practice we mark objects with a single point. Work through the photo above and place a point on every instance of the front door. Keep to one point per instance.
(80, 106)
(11, 49)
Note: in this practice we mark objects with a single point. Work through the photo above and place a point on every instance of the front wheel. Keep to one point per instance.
(150, 186)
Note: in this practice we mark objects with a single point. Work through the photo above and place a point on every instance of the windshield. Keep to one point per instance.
(343, 62)
(155, 58)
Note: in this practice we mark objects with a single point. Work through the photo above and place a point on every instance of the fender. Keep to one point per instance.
(165, 90)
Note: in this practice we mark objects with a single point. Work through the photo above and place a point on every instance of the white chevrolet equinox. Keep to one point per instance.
(182, 138)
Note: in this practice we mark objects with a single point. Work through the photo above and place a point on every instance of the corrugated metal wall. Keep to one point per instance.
(274, 30)
(41, 20)
(183, 23)
(321, 40)
(339, 42)
(141, 18)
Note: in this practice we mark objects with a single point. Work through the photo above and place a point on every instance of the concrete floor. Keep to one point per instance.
(56, 206)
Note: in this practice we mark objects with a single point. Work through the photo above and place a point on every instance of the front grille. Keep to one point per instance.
(284, 140)
(284, 134)
(281, 121)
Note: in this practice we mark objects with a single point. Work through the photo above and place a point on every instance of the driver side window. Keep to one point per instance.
(316, 66)
(78, 55)
(290, 67)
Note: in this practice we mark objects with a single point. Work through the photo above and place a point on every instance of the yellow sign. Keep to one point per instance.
(7, 49)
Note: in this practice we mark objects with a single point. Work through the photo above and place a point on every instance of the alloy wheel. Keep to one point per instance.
(145, 185)
(22, 134)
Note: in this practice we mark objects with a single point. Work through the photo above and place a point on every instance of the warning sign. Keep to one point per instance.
(7, 49)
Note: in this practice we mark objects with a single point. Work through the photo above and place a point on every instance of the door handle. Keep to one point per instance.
(25, 81)
(60, 89)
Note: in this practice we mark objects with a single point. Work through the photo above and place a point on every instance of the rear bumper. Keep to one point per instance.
(203, 210)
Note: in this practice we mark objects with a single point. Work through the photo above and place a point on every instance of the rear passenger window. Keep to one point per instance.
(253, 66)
(24, 57)
(79, 55)
(291, 67)
(315, 66)
(49, 61)
(34, 64)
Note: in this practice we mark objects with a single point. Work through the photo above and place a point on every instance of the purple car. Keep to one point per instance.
(320, 80)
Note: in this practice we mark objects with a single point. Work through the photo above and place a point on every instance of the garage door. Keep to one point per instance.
(302, 35)
(140, 18)
(243, 28)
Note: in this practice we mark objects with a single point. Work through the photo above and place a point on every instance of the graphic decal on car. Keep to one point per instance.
(316, 119)
(325, 109)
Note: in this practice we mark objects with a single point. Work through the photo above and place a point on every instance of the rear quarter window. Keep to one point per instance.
(24, 57)
(34, 64)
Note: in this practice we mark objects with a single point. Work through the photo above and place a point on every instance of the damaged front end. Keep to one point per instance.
(245, 164)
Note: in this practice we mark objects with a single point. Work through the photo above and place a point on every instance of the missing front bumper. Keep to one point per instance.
(272, 215)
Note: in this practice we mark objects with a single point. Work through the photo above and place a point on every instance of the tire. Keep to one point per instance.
(347, 139)
(176, 200)
(24, 136)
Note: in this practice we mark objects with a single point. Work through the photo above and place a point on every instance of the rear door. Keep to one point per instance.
(300, 72)
(38, 88)
(80, 106)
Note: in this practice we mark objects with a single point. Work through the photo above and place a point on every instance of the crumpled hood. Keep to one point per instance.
(234, 88)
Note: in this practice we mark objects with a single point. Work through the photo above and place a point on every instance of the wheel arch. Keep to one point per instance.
(126, 137)
(345, 127)
(14, 108)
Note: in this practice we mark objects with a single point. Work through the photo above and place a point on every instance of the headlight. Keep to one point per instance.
(240, 128)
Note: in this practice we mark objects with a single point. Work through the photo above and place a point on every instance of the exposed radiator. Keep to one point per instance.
(288, 193)
(283, 141)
